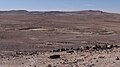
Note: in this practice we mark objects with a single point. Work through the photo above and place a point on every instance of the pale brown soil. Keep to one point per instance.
(45, 32)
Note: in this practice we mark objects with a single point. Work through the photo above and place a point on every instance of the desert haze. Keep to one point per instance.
(89, 38)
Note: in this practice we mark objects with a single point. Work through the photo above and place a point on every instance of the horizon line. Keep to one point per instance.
(59, 10)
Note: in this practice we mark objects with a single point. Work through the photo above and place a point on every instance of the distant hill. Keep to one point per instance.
(14, 12)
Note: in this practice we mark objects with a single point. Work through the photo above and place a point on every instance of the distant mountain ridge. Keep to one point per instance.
(51, 12)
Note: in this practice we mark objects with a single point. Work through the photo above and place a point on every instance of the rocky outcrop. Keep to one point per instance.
(84, 48)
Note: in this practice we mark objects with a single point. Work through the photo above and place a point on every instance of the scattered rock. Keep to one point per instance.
(96, 60)
(116, 46)
(76, 49)
(34, 53)
(27, 53)
(96, 47)
(86, 47)
(104, 46)
(117, 58)
(109, 46)
(91, 65)
(19, 53)
(101, 47)
(49, 65)
(63, 49)
(70, 51)
(58, 50)
(101, 57)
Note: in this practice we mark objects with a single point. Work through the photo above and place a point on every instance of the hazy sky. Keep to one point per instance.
(106, 5)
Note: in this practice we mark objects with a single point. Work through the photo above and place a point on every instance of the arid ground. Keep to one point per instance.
(29, 39)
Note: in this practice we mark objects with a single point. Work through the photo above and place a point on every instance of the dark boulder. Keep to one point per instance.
(54, 56)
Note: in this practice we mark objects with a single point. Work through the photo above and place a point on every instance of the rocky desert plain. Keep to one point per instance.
(89, 38)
